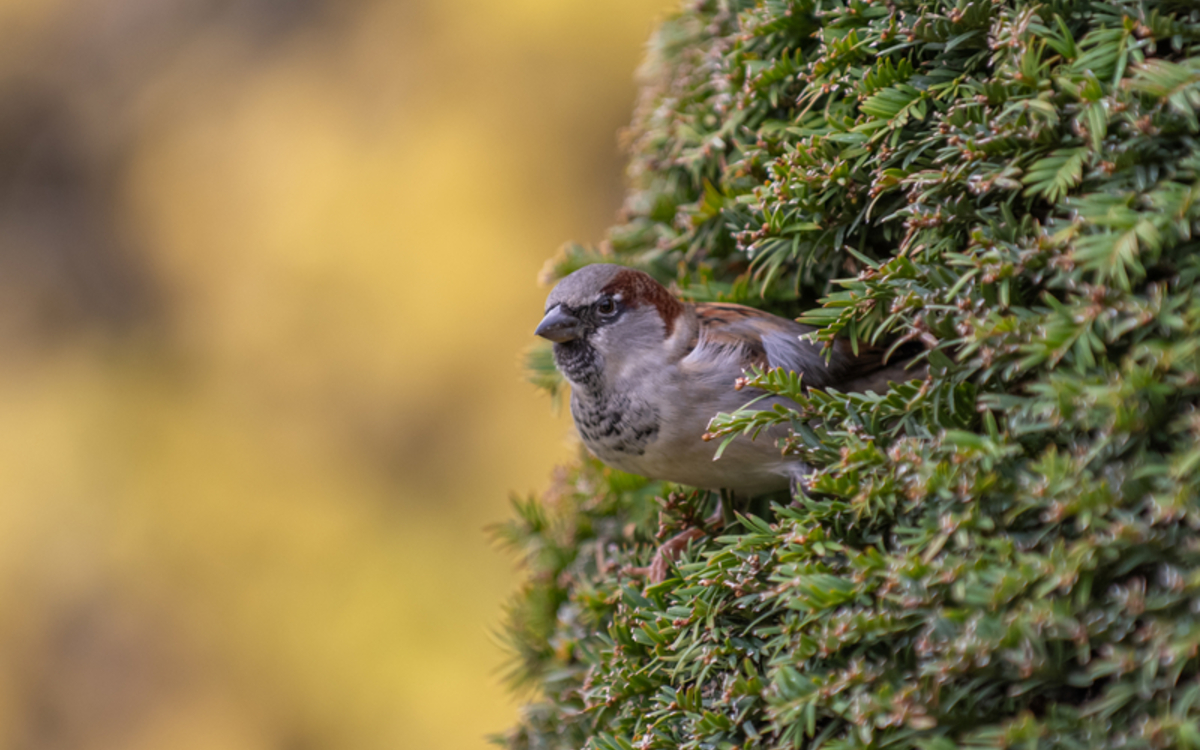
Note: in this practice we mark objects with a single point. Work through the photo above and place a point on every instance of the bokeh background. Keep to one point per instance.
(266, 271)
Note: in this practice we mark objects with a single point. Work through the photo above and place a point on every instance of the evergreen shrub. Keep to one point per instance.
(1004, 553)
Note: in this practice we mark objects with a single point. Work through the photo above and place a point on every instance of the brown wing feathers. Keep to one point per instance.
(735, 327)
(770, 341)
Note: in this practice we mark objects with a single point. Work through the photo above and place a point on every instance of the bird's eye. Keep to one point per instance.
(606, 306)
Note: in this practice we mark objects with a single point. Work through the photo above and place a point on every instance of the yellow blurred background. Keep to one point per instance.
(266, 271)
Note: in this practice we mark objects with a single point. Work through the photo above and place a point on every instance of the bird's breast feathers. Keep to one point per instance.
(651, 420)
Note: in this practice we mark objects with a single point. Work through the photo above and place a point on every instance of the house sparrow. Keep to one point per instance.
(648, 372)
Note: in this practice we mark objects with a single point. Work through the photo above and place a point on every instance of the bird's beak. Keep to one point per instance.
(558, 326)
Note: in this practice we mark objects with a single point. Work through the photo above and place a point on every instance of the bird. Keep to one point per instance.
(648, 372)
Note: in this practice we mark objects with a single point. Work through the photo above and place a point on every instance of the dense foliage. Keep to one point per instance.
(1004, 553)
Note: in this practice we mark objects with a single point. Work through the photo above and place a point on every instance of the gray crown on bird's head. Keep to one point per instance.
(582, 287)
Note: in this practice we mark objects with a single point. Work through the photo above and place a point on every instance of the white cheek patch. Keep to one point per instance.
(635, 339)
(600, 339)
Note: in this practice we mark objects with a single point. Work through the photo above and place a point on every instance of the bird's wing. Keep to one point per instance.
(761, 339)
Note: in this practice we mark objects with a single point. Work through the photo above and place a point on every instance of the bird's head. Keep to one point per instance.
(603, 317)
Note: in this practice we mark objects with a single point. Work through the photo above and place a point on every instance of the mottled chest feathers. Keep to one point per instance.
(614, 425)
